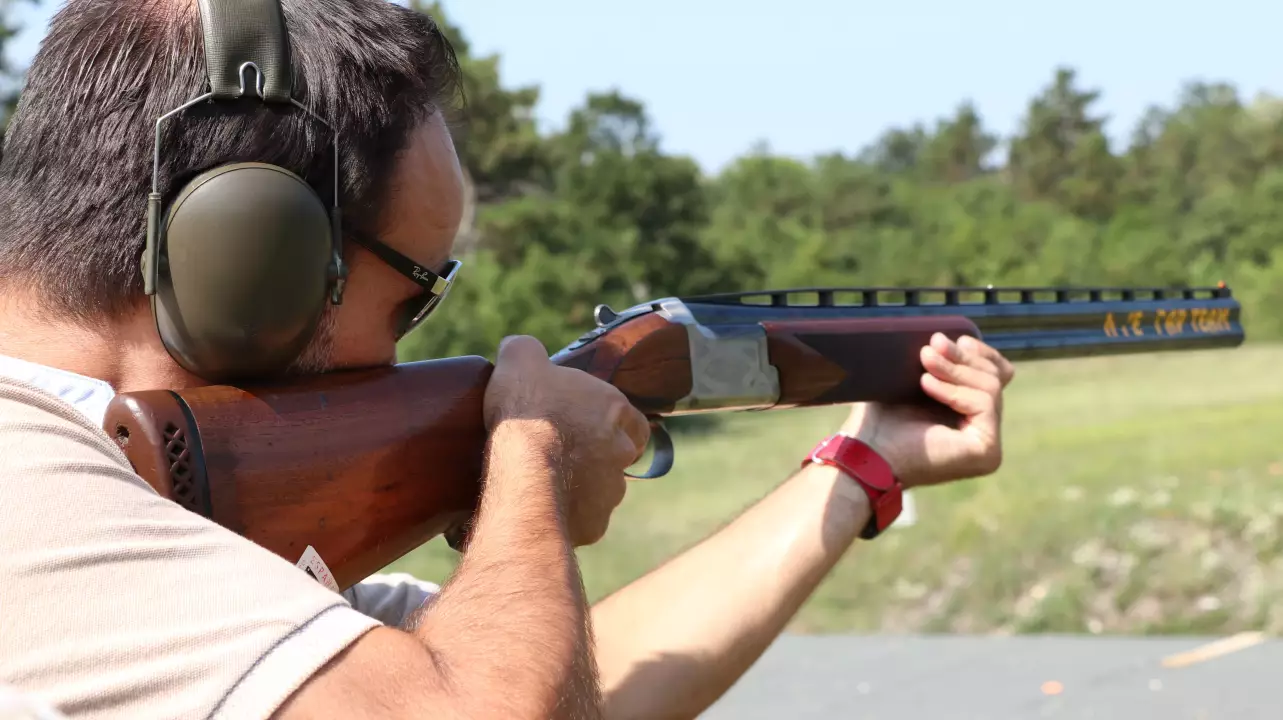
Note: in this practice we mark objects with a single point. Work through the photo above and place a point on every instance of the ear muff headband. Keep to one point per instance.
(240, 265)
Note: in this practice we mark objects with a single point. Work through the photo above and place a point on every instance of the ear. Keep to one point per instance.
(243, 278)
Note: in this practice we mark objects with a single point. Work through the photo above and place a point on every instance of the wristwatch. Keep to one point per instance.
(872, 473)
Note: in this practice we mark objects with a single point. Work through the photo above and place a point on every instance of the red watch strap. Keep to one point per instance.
(870, 471)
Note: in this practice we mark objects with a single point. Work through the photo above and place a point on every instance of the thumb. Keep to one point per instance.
(521, 349)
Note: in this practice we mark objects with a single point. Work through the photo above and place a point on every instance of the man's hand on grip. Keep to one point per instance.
(585, 426)
(968, 377)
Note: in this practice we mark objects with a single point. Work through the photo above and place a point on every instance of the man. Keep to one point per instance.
(119, 604)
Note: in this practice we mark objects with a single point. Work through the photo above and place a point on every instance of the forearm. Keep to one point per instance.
(511, 625)
(671, 643)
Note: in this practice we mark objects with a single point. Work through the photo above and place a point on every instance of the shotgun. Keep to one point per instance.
(363, 466)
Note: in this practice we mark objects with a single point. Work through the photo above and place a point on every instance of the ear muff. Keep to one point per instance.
(240, 265)
(243, 279)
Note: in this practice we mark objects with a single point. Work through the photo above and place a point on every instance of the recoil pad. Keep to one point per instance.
(243, 282)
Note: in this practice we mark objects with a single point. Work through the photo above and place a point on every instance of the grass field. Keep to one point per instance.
(1141, 494)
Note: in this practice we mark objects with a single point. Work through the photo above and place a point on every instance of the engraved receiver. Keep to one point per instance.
(364, 466)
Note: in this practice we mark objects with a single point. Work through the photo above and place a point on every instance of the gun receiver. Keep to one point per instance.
(366, 465)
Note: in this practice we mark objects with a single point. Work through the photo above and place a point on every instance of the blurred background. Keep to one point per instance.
(620, 152)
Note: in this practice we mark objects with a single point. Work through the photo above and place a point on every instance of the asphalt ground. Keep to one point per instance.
(1011, 678)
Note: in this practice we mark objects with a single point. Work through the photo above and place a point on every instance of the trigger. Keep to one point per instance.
(662, 462)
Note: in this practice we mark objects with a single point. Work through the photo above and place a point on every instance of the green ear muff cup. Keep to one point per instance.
(243, 281)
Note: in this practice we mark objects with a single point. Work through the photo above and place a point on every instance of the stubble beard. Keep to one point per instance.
(318, 356)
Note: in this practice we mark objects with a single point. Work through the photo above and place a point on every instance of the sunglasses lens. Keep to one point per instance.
(418, 309)
(414, 315)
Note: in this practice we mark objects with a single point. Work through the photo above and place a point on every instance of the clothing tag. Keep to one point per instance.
(312, 564)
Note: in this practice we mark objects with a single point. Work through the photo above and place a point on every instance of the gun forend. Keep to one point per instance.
(667, 364)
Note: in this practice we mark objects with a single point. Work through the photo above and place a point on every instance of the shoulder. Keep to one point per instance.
(32, 419)
(120, 600)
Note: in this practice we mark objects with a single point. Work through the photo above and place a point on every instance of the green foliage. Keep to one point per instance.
(597, 212)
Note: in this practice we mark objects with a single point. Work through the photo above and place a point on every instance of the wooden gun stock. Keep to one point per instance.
(365, 466)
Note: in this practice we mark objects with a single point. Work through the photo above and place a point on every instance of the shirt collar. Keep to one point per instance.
(88, 395)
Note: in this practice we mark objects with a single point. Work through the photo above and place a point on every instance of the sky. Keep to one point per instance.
(812, 76)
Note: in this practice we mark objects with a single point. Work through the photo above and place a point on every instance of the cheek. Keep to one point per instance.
(363, 331)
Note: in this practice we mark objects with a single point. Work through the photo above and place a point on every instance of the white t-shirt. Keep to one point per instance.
(388, 598)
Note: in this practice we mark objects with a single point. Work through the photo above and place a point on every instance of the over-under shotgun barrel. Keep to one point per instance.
(1024, 323)
(366, 465)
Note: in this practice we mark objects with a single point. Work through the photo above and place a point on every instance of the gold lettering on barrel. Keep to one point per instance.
(1111, 328)
(1168, 322)
(1136, 318)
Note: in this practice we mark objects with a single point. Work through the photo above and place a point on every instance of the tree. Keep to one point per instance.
(1062, 154)
(959, 148)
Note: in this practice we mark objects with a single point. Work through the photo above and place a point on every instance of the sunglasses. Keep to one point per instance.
(435, 287)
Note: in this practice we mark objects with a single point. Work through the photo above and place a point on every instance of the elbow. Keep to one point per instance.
(502, 700)
(538, 689)
(391, 674)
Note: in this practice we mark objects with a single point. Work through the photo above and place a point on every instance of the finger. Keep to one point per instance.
(616, 486)
(521, 349)
(1005, 370)
(592, 521)
(620, 485)
(951, 372)
(967, 401)
(962, 352)
(625, 450)
(635, 426)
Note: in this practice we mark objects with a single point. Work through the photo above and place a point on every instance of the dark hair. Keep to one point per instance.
(77, 161)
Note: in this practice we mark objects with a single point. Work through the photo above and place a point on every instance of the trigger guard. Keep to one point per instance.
(663, 460)
(458, 536)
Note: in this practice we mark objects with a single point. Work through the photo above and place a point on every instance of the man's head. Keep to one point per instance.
(77, 163)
